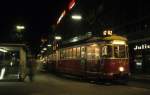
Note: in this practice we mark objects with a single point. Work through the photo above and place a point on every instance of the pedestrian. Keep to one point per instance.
(31, 64)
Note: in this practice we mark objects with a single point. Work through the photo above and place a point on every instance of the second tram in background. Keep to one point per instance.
(93, 57)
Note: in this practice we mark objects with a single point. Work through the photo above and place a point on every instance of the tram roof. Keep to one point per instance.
(93, 39)
(115, 37)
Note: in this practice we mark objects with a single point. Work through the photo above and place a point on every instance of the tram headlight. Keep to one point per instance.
(121, 69)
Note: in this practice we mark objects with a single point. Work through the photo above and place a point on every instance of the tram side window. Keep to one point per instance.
(63, 54)
(107, 51)
(119, 51)
(93, 52)
(74, 52)
(70, 53)
(97, 52)
(66, 53)
(57, 55)
(78, 52)
(90, 53)
(83, 52)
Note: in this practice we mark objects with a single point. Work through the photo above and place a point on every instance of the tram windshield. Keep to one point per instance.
(116, 51)
(119, 51)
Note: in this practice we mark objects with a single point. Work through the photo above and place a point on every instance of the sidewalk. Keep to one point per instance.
(140, 77)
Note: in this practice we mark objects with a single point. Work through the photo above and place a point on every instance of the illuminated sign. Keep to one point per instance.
(107, 33)
(141, 47)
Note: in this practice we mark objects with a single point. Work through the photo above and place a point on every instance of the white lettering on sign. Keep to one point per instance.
(107, 32)
(141, 47)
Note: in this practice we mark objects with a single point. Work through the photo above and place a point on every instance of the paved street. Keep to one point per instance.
(47, 84)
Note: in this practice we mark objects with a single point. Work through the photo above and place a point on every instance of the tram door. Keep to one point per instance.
(83, 59)
(93, 55)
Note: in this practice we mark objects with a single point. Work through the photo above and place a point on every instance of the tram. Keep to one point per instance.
(93, 57)
(12, 62)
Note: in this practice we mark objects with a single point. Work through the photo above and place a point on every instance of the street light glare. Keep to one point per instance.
(3, 50)
(58, 38)
(76, 17)
(49, 45)
(20, 27)
(44, 49)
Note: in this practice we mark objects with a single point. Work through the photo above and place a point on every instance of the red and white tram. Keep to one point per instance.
(93, 57)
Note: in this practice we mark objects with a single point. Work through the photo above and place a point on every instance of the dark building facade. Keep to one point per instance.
(132, 19)
(140, 56)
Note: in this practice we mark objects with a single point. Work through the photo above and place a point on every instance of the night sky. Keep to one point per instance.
(36, 15)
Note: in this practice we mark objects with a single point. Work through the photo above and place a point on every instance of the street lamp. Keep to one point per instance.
(76, 17)
(58, 37)
(56, 42)
(49, 45)
(20, 32)
(20, 27)
(44, 49)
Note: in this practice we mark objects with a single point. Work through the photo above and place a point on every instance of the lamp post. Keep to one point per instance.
(19, 34)
(76, 17)
(58, 38)
(56, 42)
(19, 28)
